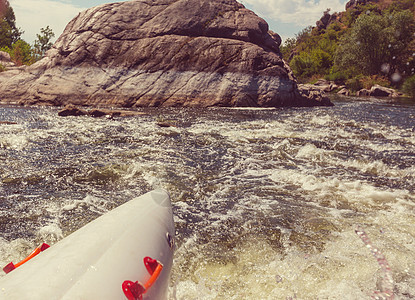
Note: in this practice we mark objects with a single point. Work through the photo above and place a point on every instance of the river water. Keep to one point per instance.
(293, 203)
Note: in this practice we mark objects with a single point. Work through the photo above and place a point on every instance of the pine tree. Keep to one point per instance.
(9, 33)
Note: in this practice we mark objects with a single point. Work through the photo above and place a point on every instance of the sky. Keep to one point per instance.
(285, 17)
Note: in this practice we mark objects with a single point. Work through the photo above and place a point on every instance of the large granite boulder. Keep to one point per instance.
(162, 53)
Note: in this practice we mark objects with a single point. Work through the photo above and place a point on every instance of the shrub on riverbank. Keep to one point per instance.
(366, 82)
(20, 53)
(377, 44)
(338, 77)
(371, 38)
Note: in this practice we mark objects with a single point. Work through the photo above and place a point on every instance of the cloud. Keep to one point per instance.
(31, 15)
(286, 17)
(298, 12)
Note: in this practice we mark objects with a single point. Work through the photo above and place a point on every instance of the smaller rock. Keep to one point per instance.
(354, 3)
(8, 123)
(5, 57)
(325, 85)
(165, 124)
(127, 113)
(378, 91)
(333, 86)
(381, 91)
(5, 60)
(101, 112)
(344, 92)
(363, 93)
(324, 21)
(327, 19)
(71, 110)
(311, 92)
(98, 113)
(322, 82)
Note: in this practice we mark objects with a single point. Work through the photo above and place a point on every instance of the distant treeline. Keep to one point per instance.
(21, 52)
(369, 43)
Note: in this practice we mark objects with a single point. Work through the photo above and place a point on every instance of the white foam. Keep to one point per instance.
(357, 192)
(282, 174)
(14, 141)
(14, 251)
(345, 269)
(310, 151)
(50, 233)
(95, 204)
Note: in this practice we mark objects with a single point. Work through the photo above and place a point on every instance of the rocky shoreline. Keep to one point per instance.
(376, 90)
(164, 53)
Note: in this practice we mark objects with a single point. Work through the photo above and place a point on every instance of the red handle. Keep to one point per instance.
(135, 290)
(153, 277)
(10, 267)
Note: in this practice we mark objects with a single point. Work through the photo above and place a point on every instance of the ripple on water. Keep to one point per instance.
(266, 202)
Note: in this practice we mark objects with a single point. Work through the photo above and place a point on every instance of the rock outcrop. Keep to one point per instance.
(162, 53)
(378, 91)
(326, 86)
(344, 91)
(353, 3)
(327, 19)
(381, 91)
(71, 110)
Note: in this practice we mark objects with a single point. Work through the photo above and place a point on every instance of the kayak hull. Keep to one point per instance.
(93, 262)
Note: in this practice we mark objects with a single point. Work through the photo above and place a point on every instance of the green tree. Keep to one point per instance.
(377, 43)
(304, 35)
(351, 15)
(287, 48)
(314, 51)
(314, 62)
(402, 40)
(364, 48)
(9, 33)
(21, 53)
(303, 65)
(43, 42)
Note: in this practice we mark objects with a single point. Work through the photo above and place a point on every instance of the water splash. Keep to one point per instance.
(265, 201)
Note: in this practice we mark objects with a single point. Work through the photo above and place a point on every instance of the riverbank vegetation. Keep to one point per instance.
(370, 43)
(21, 52)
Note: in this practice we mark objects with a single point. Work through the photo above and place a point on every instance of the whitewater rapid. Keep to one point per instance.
(301, 203)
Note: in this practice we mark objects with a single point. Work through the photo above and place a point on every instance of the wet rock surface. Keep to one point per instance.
(71, 110)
